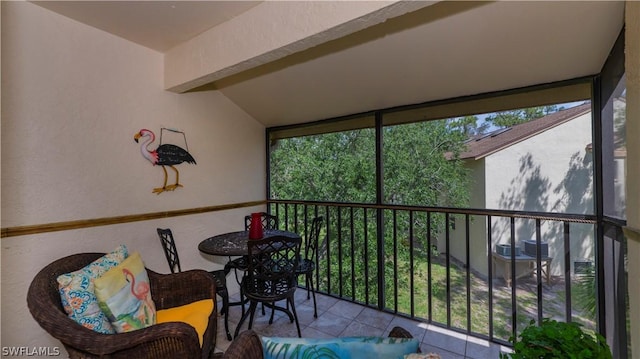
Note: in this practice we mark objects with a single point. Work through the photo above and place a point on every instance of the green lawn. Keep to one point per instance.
(526, 300)
(553, 301)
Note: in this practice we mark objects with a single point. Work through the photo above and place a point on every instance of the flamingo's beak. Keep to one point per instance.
(137, 136)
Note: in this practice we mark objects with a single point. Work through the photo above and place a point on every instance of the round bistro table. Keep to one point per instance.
(235, 243)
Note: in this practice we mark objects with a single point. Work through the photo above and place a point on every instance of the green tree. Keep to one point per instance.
(514, 117)
(469, 126)
(416, 170)
(341, 167)
(338, 167)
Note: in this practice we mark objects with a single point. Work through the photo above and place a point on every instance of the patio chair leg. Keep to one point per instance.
(252, 309)
(225, 308)
(313, 292)
(242, 300)
(272, 312)
(295, 315)
(244, 317)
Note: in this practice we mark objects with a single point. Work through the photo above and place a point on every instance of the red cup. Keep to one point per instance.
(255, 228)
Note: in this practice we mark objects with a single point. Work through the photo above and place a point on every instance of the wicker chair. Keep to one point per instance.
(167, 340)
(248, 344)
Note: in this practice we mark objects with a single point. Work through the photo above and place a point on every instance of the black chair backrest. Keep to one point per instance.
(272, 262)
(170, 250)
(268, 221)
(312, 238)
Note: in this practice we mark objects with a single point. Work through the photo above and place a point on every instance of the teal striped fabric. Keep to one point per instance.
(338, 348)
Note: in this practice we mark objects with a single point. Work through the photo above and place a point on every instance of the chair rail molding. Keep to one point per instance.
(95, 222)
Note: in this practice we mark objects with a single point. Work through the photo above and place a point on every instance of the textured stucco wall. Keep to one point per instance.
(73, 97)
(477, 224)
(537, 174)
(550, 172)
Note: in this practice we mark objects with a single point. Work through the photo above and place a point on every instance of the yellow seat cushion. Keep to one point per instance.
(195, 314)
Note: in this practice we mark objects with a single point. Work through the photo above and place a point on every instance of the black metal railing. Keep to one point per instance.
(440, 264)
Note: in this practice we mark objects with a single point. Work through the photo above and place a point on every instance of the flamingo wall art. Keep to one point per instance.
(164, 155)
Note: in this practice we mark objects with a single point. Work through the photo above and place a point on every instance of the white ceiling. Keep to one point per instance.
(446, 50)
(159, 25)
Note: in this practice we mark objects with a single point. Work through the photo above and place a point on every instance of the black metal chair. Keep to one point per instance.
(268, 221)
(271, 276)
(220, 276)
(240, 263)
(307, 265)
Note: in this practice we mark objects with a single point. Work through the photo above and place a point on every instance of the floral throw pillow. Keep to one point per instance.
(124, 295)
(77, 291)
(338, 348)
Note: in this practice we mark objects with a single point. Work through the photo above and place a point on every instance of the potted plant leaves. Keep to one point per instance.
(553, 339)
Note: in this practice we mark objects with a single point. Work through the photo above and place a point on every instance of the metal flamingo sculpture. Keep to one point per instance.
(164, 155)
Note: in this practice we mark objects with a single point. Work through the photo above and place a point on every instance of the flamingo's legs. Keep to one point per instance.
(171, 187)
(164, 185)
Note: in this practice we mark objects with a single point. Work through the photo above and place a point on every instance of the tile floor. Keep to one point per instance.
(341, 318)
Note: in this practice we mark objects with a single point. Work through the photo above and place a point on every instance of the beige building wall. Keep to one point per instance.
(73, 98)
(550, 172)
(532, 175)
(477, 224)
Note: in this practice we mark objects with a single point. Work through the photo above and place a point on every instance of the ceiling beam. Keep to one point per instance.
(271, 31)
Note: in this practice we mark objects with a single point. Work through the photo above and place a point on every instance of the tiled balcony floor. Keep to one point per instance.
(342, 318)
